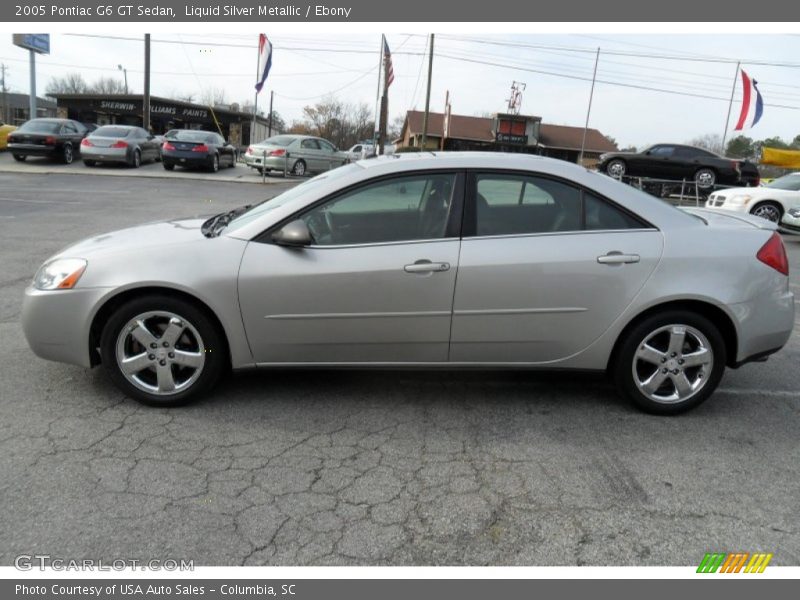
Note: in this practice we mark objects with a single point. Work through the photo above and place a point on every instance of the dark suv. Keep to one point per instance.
(677, 162)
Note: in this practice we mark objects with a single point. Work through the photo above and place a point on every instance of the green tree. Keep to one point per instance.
(740, 147)
(775, 142)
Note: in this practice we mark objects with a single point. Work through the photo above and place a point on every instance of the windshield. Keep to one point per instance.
(41, 127)
(115, 132)
(289, 195)
(278, 140)
(787, 182)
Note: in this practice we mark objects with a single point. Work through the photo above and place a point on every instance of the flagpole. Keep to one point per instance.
(730, 105)
(589, 108)
(378, 95)
(255, 103)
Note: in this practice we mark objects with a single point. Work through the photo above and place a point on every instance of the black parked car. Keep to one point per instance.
(677, 162)
(56, 138)
(196, 148)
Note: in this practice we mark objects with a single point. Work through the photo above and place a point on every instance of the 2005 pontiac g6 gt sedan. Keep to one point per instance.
(453, 260)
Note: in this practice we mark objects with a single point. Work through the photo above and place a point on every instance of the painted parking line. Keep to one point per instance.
(793, 394)
(34, 201)
(39, 190)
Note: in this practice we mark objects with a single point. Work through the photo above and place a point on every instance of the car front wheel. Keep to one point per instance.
(771, 211)
(670, 362)
(162, 351)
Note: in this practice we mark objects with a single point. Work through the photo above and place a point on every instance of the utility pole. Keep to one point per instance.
(427, 98)
(589, 109)
(125, 71)
(146, 106)
(4, 90)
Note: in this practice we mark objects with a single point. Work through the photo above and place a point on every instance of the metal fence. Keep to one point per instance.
(685, 192)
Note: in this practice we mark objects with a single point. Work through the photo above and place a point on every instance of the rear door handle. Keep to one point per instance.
(617, 258)
(426, 266)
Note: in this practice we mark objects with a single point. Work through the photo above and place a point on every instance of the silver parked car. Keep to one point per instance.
(126, 144)
(448, 261)
(297, 154)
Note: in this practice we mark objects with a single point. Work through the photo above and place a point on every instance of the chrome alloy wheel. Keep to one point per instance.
(672, 364)
(160, 352)
(768, 211)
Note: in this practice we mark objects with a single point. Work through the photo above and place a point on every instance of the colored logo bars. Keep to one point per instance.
(734, 562)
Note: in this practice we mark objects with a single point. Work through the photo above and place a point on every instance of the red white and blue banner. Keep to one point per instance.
(752, 103)
(264, 60)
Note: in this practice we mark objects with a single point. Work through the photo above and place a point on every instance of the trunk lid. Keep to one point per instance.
(731, 219)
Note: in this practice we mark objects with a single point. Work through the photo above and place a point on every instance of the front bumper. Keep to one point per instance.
(790, 224)
(56, 323)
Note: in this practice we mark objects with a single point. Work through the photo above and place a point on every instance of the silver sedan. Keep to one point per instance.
(455, 260)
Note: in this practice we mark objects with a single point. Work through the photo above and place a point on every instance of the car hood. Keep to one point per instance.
(760, 192)
(139, 238)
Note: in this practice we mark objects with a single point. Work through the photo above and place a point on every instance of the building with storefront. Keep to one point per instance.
(165, 114)
(502, 133)
(15, 108)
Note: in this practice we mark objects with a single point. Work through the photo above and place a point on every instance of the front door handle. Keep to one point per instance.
(426, 266)
(617, 258)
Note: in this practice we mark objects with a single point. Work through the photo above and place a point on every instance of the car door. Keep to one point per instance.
(331, 157)
(71, 134)
(545, 268)
(310, 153)
(376, 286)
(149, 145)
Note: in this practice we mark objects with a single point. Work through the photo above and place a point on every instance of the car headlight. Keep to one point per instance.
(740, 199)
(59, 274)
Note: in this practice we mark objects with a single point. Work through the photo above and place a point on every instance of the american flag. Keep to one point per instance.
(387, 58)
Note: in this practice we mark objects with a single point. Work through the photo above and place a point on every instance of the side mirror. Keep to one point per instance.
(295, 234)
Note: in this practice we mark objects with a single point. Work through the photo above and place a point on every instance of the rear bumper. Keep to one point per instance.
(187, 159)
(105, 154)
(765, 324)
(270, 163)
(33, 149)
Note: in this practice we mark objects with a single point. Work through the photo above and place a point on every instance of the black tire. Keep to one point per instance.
(299, 168)
(705, 178)
(89, 163)
(213, 340)
(67, 155)
(214, 163)
(136, 160)
(769, 210)
(20, 157)
(623, 366)
(616, 168)
(168, 166)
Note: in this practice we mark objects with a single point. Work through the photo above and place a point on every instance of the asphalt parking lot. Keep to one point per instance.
(479, 468)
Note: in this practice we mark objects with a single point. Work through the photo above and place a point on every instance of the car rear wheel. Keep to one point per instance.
(136, 159)
(20, 157)
(299, 168)
(162, 351)
(66, 154)
(215, 163)
(670, 362)
(168, 166)
(772, 211)
(705, 178)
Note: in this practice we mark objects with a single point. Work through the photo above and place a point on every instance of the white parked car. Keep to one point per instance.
(771, 201)
(361, 151)
(791, 221)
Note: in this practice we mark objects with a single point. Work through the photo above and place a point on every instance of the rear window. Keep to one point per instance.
(188, 135)
(115, 132)
(279, 140)
(41, 127)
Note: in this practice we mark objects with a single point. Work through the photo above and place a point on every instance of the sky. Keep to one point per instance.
(694, 74)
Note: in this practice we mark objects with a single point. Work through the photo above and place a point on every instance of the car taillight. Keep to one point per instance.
(200, 148)
(49, 141)
(167, 146)
(119, 144)
(279, 152)
(249, 150)
(773, 254)
(86, 142)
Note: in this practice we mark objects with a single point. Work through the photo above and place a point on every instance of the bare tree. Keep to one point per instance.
(341, 123)
(108, 85)
(213, 96)
(71, 83)
(709, 141)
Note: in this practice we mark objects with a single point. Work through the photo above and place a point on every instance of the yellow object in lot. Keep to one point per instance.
(4, 131)
(788, 159)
